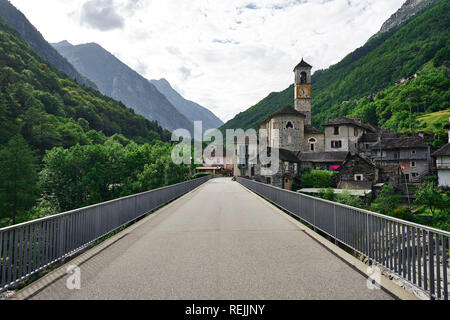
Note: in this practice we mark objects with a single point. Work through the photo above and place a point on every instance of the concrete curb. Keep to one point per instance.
(60, 272)
(385, 282)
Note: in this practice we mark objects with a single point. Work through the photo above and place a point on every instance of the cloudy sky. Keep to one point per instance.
(224, 54)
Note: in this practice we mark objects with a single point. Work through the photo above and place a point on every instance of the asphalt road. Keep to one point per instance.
(218, 242)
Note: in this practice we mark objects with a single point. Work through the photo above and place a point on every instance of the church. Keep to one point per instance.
(301, 145)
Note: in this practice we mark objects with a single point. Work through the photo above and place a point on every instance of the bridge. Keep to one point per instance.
(220, 239)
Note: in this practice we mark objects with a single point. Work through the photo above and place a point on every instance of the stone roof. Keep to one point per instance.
(444, 151)
(302, 64)
(356, 155)
(400, 143)
(287, 109)
(285, 155)
(373, 136)
(345, 120)
(311, 130)
(338, 156)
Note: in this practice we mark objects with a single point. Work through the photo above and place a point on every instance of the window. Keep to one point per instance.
(303, 77)
(414, 175)
(268, 180)
(289, 139)
(336, 130)
(289, 125)
(286, 166)
(356, 132)
(312, 142)
(295, 168)
(413, 152)
(367, 146)
(359, 177)
(336, 144)
(413, 164)
(381, 154)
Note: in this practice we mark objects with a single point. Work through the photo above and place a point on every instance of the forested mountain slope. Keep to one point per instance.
(17, 20)
(398, 53)
(49, 109)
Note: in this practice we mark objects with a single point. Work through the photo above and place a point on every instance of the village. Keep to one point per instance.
(356, 158)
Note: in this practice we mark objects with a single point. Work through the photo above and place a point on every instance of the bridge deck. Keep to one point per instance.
(218, 242)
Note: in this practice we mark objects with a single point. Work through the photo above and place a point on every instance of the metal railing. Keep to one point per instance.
(418, 254)
(31, 246)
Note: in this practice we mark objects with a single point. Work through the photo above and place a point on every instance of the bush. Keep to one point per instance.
(402, 212)
(318, 179)
(347, 199)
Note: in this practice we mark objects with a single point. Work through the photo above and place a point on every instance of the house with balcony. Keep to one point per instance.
(442, 157)
(412, 154)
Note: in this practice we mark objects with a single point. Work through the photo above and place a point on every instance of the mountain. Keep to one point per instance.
(421, 41)
(49, 109)
(407, 10)
(17, 20)
(118, 81)
(189, 109)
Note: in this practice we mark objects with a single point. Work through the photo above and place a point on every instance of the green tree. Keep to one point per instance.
(386, 200)
(428, 196)
(18, 177)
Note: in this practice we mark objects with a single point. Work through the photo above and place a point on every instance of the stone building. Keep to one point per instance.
(301, 145)
(290, 124)
(322, 160)
(342, 134)
(288, 170)
(412, 154)
(369, 139)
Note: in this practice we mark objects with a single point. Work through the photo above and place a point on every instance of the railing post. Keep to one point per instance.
(314, 214)
(367, 235)
(335, 226)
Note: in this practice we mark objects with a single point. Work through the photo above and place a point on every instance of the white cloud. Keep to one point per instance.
(225, 55)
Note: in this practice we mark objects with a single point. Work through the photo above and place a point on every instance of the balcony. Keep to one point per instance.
(444, 165)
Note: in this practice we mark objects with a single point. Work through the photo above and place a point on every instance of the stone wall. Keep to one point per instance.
(319, 145)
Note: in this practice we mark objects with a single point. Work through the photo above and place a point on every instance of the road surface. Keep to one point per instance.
(218, 242)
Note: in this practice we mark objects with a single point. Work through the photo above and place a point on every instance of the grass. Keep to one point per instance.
(435, 121)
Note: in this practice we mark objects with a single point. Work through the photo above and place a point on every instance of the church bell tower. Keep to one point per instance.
(303, 89)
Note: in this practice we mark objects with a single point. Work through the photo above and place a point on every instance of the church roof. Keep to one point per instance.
(302, 64)
(284, 154)
(311, 130)
(287, 109)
